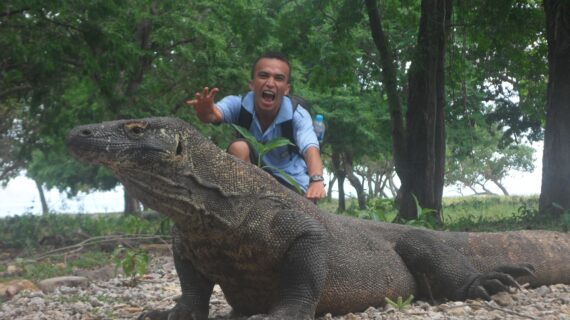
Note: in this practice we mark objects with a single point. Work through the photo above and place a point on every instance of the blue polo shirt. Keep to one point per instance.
(291, 163)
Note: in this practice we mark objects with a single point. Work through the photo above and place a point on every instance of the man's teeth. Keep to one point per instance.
(268, 95)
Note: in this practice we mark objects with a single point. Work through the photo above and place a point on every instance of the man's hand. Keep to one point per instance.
(315, 191)
(204, 106)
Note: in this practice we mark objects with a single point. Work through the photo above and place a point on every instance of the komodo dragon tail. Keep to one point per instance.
(547, 252)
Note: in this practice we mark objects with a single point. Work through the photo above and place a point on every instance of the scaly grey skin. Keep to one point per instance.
(276, 255)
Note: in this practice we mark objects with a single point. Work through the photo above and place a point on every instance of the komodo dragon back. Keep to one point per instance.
(274, 253)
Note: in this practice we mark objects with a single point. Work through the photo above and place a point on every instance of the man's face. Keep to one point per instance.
(270, 83)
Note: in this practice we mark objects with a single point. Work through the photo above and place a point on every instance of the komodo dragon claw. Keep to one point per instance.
(501, 279)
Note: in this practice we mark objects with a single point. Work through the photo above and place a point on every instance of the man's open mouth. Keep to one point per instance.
(268, 95)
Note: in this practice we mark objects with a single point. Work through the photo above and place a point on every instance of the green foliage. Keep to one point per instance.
(473, 213)
(496, 213)
(426, 217)
(55, 267)
(133, 262)
(380, 209)
(72, 62)
(564, 216)
(30, 231)
(505, 70)
(400, 304)
(476, 157)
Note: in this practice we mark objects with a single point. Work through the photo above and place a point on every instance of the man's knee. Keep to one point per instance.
(240, 149)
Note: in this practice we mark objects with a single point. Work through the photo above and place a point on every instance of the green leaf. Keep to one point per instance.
(287, 177)
(278, 142)
(245, 133)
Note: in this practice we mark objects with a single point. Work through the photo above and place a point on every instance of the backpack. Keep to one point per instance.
(245, 119)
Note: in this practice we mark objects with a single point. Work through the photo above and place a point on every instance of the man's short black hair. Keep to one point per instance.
(272, 55)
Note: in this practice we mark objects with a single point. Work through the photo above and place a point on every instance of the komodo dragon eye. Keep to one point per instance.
(135, 129)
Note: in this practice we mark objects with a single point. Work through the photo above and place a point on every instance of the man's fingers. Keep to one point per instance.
(213, 93)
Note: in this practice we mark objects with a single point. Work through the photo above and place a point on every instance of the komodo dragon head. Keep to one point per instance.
(168, 165)
(154, 159)
(130, 143)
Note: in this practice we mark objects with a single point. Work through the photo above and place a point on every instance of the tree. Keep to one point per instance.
(357, 129)
(498, 67)
(477, 157)
(555, 190)
(77, 62)
(496, 89)
(419, 147)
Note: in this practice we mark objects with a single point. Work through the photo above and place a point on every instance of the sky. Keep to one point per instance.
(21, 196)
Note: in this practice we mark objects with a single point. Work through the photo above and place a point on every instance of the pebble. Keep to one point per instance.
(112, 299)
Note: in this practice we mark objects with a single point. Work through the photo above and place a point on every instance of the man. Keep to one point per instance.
(268, 103)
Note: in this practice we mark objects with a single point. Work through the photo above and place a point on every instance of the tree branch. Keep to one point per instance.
(99, 240)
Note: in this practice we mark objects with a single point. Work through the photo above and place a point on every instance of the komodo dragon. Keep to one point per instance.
(276, 255)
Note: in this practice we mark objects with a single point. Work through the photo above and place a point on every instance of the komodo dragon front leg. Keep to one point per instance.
(300, 277)
(303, 269)
(195, 299)
(441, 271)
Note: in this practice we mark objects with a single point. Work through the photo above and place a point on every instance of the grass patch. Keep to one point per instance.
(471, 213)
(25, 240)
(32, 231)
(59, 265)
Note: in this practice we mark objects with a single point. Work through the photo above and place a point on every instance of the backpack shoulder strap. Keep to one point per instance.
(287, 126)
(245, 117)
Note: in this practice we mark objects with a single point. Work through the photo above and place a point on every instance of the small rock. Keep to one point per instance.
(503, 299)
(80, 307)
(13, 269)
(351, 316)
(327, 316)
(458, 311)
(423, 305)
(543, 290)
(49, 285)
(36, 304)
(565, 310)
(95, 302)
(101, 274)
(11, 288)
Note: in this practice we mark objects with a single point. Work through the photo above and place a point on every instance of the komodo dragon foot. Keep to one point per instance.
(484, 285)
(179, 312)
(281, 317)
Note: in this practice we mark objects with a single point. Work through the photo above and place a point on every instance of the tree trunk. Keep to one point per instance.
(500, 185)
(354, 181)
(45, 209)
(332, 181)
(132, 205)
(555, 190)
(340, 174)
(419, 151)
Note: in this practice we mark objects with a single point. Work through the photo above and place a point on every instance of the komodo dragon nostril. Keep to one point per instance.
(86, 132)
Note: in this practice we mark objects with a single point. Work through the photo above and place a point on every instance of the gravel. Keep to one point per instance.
(114, 299)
